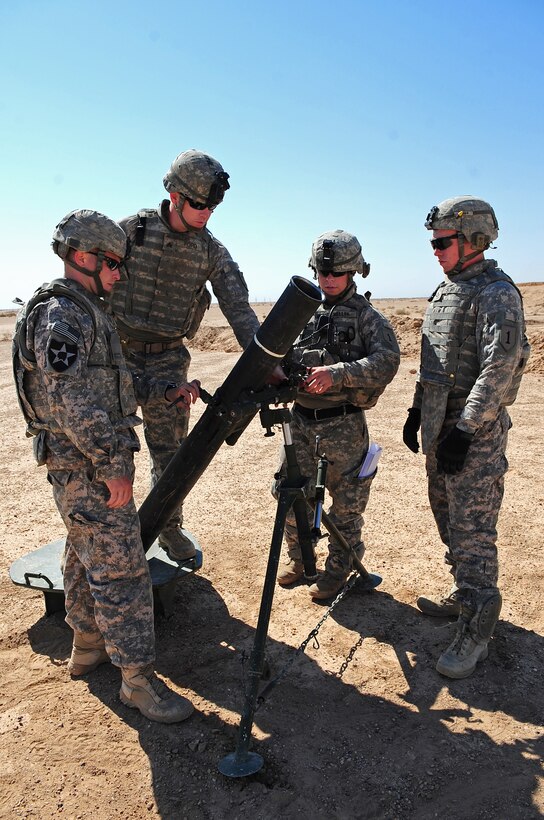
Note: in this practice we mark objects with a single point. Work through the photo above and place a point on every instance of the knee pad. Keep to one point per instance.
(488, 604)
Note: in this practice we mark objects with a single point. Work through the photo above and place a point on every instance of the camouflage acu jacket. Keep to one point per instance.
(358, 345)
(165, 296)
(73, 384)
(474, 347)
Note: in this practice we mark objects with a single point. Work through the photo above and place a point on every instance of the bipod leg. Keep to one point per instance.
(306, 544)
(295, 479)
(242, 762)
(368, 580)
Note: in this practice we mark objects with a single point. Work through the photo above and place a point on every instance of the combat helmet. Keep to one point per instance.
(338, 252)
(471, 218)
(198, 177)
(85, 230)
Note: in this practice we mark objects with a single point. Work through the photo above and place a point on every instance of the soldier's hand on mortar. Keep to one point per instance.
(120, 492)
(410, 429)
(452, 451)
(318, 380)
(186, 393)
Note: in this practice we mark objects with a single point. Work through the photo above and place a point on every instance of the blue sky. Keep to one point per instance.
(354, 115)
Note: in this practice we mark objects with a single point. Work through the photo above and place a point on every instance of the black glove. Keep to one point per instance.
(452, 451)
(411, 426)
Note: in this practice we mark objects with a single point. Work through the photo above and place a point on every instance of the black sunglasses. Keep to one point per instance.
(112, 264)
(443, 242)
(335, 274)
(198, 205)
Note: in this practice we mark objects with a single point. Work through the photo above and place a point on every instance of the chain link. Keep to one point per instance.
(349, 658)
(311, 636)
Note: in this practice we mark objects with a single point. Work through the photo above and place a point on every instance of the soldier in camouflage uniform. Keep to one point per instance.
(351, 354)
(78, 400)
(172, 255)
(473, 354)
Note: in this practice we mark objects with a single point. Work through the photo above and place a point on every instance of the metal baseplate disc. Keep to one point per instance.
(367, 583)
(240, 765)
(41, 569)
(164, 570)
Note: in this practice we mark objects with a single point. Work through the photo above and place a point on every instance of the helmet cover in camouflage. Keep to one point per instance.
(86, 230)
(473, 218)
(338, 252)
(197, 176)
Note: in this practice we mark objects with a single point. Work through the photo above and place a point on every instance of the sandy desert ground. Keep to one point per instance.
(361, 726)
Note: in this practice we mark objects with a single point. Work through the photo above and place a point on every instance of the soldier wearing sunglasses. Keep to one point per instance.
(473, 354)
(77, 396)
(350, 354)
(172, 256)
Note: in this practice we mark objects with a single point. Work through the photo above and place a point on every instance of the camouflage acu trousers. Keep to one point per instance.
(106, 576)
(466, 506)
(164, 427)
(344, 440)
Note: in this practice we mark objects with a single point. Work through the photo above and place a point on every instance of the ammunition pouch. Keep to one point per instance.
(303, 359)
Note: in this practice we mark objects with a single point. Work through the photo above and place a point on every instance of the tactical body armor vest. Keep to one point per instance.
(165, 297)
(448, 351)
(332, 336)
(111, 380)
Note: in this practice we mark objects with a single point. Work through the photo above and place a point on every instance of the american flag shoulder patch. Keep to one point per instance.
(66, 331)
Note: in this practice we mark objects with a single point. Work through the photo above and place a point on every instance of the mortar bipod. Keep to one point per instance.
(291, 492)
(292, 482)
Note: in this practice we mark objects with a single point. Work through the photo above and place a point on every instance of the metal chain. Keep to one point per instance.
(349, 658)
(311, 636)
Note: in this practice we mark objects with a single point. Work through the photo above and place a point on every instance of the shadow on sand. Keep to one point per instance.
(316, 731)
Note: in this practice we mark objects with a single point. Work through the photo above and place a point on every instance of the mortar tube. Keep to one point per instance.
(269, 346)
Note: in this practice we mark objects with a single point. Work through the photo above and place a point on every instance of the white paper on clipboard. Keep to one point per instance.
(370, 463)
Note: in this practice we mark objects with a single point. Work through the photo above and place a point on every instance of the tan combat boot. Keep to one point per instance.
(291, 572)
(176, 544)
(142, 689)
(88, 652)
(326, 586)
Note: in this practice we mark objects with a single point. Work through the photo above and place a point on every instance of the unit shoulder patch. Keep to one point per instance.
(508, 336)
(62, 347)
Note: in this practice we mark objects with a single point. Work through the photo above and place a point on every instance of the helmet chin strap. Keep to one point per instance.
(462, 259)
(94, 274)
(178, 209)
(348, 286)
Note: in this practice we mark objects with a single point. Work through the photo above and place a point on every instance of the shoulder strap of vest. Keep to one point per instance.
(499, 275)
(139, 234)
(57, 287)
(356, 301)
(496, 275)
